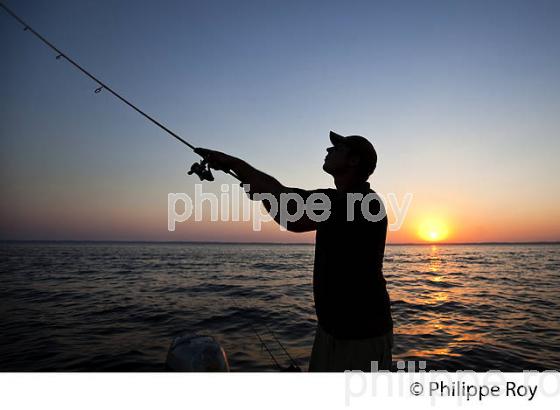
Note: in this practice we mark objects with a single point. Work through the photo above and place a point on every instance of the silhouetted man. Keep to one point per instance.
(351, 301)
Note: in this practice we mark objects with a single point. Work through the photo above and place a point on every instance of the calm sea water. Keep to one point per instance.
(117, 306)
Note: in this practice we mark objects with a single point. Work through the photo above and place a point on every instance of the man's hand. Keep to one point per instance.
(216, 159)
(258, 181)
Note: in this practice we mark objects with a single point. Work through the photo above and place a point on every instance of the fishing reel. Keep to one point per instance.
(202, 169)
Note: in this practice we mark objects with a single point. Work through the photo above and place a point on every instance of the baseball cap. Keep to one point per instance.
(360, 146)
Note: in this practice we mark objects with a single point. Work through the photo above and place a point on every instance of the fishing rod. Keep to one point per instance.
(263, 344)
(294, 365)
(202, 168)
(266, 347)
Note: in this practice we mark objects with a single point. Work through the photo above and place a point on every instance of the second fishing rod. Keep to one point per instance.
(202, 169)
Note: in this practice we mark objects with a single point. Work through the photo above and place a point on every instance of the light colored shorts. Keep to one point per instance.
(337, 355)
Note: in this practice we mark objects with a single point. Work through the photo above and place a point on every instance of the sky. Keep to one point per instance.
(460, 99)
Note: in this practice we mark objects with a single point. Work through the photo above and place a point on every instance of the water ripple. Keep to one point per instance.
(116, 306)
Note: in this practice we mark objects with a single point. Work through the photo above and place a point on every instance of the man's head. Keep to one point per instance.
(352, 154)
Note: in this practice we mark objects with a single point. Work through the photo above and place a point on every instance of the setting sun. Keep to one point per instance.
(433, 230)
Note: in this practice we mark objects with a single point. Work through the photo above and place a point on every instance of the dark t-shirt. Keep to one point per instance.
(351, 299)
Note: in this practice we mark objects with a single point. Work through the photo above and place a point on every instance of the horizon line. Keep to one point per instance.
(556, 242)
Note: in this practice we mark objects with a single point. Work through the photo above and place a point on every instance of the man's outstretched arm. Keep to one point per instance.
(259, 182)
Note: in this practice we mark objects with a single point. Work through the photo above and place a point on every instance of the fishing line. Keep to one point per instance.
(201, 169)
